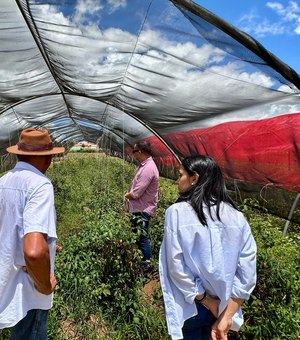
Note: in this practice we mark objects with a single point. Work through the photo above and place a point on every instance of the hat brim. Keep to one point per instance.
(14, 149)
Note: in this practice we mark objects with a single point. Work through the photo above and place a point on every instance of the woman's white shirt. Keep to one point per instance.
(219, 258)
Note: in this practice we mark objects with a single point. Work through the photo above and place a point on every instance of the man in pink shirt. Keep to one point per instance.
(142, 197)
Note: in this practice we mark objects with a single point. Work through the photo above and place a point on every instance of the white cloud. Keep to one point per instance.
(297, 29)
(50, 12)
(288, 21)
(253, 24)
(117, 4)
(289, 13)
(84, 8)
(187, 52)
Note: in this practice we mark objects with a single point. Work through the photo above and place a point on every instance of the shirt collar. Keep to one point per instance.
(145, 161)
(26, 166)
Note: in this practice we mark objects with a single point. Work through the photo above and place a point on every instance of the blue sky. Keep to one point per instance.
(275, 24)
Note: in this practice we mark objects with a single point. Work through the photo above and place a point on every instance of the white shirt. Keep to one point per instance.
(26, 205)
(219, 259)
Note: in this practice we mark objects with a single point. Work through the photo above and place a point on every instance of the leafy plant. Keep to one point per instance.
(273, 311)
(100, 281)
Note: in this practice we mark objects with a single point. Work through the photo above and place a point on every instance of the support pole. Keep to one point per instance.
(287, 223)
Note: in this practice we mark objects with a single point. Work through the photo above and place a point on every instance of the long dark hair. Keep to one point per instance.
(210, 188)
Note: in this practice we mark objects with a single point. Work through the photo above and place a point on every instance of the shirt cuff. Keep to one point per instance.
(239, 293)
(191, 297)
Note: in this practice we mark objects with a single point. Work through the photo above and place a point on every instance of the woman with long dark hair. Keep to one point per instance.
(207, 258)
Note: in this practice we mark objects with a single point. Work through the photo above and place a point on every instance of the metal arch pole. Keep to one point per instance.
(287, 223)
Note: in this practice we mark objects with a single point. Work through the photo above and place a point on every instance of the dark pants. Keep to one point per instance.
(32, 327)
(198, 327)
(140, 223)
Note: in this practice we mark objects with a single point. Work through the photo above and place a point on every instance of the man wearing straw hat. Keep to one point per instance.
(27, 238)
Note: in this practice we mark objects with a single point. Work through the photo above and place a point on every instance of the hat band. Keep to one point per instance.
(35, 147)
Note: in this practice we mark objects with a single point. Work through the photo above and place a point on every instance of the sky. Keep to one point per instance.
(275, 24)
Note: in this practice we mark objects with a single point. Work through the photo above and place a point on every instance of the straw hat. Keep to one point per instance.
(36, 143)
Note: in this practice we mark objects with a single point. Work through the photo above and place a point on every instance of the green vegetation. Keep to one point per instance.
(101, 292)
(273, 312)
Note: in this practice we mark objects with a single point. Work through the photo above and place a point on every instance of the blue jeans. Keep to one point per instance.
(32, 327)
(198, 327)
(140, 222)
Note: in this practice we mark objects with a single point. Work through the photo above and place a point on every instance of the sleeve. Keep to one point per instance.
(178, 272)
(39, 213)
(245, 276)
(142, 181)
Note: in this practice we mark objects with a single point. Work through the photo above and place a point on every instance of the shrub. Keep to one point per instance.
(273, 311)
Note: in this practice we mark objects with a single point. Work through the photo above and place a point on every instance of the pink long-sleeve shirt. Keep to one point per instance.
(144, 188)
